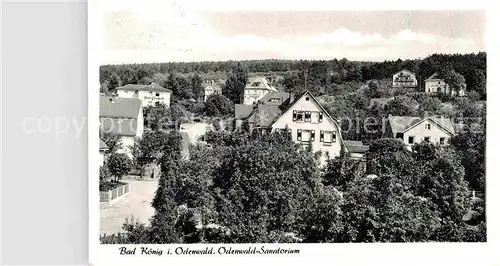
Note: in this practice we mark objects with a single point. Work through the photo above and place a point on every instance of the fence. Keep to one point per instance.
(111, 195)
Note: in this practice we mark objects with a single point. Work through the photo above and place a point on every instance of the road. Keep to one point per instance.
(136, 204)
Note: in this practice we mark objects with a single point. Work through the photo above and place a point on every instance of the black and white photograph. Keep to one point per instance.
(290, 127)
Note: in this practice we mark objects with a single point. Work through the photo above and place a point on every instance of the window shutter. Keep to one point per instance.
(299, 134)
(320, 117)
(321, 136)
(294, 115)
(334, 137)
(312, 135)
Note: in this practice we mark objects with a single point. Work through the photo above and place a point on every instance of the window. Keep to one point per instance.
(442, 141)
(305, 135)
(157, 104)
(157, 94)
(411, 139)
(427, 139)
(427, 126)
(307, 116)
(150, 93)
(307, 98)
(275, 100)
(314, 117)
(320, 117)
(298, 116)
(327, 136)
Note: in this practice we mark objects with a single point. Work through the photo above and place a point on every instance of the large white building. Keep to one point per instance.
(124, 117)
(411, 130)
(255, 89)
(436, 85)
(404, 79)
(150, 95)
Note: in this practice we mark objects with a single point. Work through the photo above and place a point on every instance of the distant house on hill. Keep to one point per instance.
(404, 79)
(122, 116)
(255, 89)
(211, 87)
(150, 95)
(380, 101)
(436, 85)
(411, 130)
(356, 149)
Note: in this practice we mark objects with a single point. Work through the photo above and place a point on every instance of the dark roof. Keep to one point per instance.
(120, 126)
(119, 107)
(264, 115)
(404, 123)
(433, 76)
(242, 111)
(258, 83)
(102, 145)
(281, 96)
(354, 146)
(138, 87)
(381, 101)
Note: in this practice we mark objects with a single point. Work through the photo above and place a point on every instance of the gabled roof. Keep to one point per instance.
(434, 76)
(259, 83)
(297, 98)
(119, 107)
(381, 101)
(354, 146)
(264, 115)
(120, 126)
(282, 96)
(404, 69)
(211, 86)
(138, 87)
(242, 111)
(102, 145)
(402, 124)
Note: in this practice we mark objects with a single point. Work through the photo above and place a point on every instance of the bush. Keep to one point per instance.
(119, 164)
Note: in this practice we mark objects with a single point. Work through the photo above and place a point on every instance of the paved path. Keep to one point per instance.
(137, 204)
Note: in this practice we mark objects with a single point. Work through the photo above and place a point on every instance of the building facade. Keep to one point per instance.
(255, 89)
(404, 79)
(310, 124)
(124, 117)
(411, 130)
(436, 85)
(150, 95)
(211, 88)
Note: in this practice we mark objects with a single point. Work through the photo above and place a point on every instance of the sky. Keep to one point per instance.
(168, 31)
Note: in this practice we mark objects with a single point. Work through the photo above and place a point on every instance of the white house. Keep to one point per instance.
(411, 130)
(255, 89)
(102, 150)
(404, 79)
(436, 85)
(124, 117)
(310, 123)
(150, 95)
(211, 87)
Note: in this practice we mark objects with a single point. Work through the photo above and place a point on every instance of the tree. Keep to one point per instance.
(235, 84)
(218, 105)
(477, 82)
(114, 81)
(455, 81)
(197, 88)
(402, 106)
(150, 146)
(119, 164)
(157, 117)
(112, 140)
